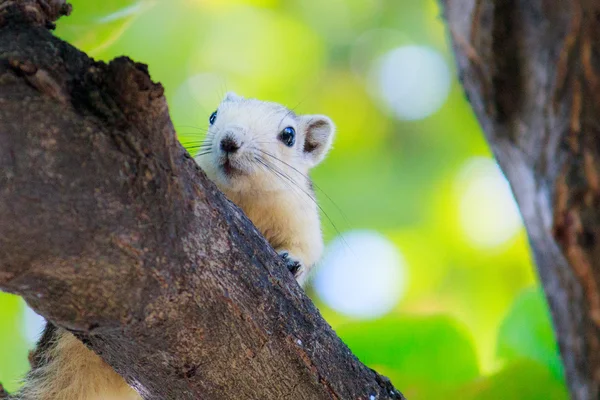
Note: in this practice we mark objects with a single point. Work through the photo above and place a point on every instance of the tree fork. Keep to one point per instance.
(109, 229)
(528, 69)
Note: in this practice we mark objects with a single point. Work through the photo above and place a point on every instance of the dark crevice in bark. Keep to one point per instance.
(506, 79)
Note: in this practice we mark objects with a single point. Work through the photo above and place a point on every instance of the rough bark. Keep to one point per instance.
(109, 229)
(529, 70)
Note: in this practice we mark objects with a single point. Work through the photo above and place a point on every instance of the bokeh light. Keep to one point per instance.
(33, 325)
(361, 275)
(488, 213)
(414, 81)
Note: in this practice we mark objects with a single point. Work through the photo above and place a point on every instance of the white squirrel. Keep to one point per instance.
(258, 153)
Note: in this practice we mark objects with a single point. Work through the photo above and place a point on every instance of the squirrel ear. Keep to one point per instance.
(231, 96)
(319, 131)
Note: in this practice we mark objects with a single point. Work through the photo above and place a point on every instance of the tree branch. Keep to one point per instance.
(109, 229)
(3, 394)
(527, 67)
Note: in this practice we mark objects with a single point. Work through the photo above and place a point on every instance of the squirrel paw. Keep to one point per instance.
(293, 264)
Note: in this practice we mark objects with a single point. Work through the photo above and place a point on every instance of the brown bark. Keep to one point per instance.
(529, 70)
(109, 229)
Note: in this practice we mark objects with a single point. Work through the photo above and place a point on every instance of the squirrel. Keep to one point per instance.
(258, 154)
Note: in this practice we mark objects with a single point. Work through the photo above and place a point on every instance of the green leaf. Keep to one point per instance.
(13, 346)
(527, 332)
(93, 26)
(417, 353)
(521, 380)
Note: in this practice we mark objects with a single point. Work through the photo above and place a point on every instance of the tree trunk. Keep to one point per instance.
(528, 68)
(109, 229)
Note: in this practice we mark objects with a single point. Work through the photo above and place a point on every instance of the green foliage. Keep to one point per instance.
(97, 25)
(523, 379)
(526, 332)
(13, 346)
(424, 356)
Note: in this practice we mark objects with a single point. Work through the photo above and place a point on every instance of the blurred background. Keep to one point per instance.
(431, 281)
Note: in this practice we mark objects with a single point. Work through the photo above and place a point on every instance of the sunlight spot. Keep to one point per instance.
(33, 325)
(488, 213)
(363, 277)
(413, 81)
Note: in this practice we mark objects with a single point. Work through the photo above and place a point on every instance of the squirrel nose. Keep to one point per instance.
(228, 145)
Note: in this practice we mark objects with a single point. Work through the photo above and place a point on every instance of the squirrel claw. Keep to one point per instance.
(293, 265)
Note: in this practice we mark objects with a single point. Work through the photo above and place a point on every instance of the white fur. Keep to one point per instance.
(74, 372)
(281, 204)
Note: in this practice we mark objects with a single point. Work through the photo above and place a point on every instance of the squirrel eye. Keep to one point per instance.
(213, 118)
(288, 136)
